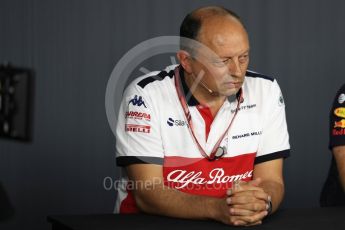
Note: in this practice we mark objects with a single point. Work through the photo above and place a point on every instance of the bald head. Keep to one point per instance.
(197, 23)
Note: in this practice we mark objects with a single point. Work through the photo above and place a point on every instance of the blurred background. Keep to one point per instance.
(66, 162)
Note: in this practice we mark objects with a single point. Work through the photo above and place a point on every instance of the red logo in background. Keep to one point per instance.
(336, 132)
(339, 124)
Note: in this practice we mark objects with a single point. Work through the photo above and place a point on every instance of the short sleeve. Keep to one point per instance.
(274, 142)
(337, 120)
(138, 139)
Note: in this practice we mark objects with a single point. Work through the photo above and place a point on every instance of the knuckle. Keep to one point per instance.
(257, 207)
(251, 219)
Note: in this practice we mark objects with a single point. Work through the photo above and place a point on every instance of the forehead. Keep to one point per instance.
(224, 35)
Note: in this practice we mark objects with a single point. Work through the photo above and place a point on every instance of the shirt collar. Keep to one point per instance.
(191, 100)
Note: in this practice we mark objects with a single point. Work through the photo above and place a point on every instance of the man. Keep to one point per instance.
(205, 139)
(333, 192)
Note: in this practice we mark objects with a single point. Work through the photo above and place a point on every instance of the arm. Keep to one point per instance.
(162, 200)
(252, 197)
(339, 155)
(156, 198)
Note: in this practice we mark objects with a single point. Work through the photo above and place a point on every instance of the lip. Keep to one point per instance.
(233, 84)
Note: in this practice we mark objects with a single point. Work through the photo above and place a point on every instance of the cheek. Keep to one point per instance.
(220, 73)
(215, 76)
(244, 66)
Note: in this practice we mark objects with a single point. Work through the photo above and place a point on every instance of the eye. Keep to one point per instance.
(220, 62)
(226, 61)
(243, 58)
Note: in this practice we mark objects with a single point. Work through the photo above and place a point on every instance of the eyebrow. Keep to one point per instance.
(228, 57)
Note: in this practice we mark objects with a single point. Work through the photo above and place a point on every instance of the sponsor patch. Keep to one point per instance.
(341, 98)
(244, 107)
(340, 112)
(138, 128)
(137, 101)
(336, 132)
(180, 179)
(256, 133)
(138, 115)
(172, 122)
(281, 100)
(339, 124)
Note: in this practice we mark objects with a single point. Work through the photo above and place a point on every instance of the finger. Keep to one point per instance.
(261, 195)
(254, 218)
(256, 223)
(246, 197)
(240, 212)
(248, 220)
(239, 223)
(244, 186)
(253, 207)
(259, 198)
(235, 220)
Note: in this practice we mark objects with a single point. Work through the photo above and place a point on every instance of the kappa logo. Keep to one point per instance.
(137, 101)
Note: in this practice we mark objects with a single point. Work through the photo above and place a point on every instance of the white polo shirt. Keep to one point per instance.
(152, 129)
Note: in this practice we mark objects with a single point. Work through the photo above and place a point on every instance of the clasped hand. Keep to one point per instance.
(247, 203)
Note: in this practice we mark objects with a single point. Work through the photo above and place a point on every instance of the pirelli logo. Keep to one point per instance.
(138, 128)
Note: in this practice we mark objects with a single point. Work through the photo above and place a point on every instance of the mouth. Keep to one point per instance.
(233, 84)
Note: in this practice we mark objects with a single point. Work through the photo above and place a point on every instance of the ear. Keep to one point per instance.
(185, 60)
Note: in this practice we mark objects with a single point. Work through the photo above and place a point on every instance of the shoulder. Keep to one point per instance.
(151, 82)
(262, 88)
(155, 77)
(152, 78)
(259, 76)
(341, 92)
(260, 82)
(342, 88)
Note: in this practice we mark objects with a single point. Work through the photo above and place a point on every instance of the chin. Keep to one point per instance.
(230, 92)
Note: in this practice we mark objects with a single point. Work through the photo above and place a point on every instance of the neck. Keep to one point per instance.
(204, 97)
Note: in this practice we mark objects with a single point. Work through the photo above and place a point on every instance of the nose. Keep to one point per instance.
(234, 67)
